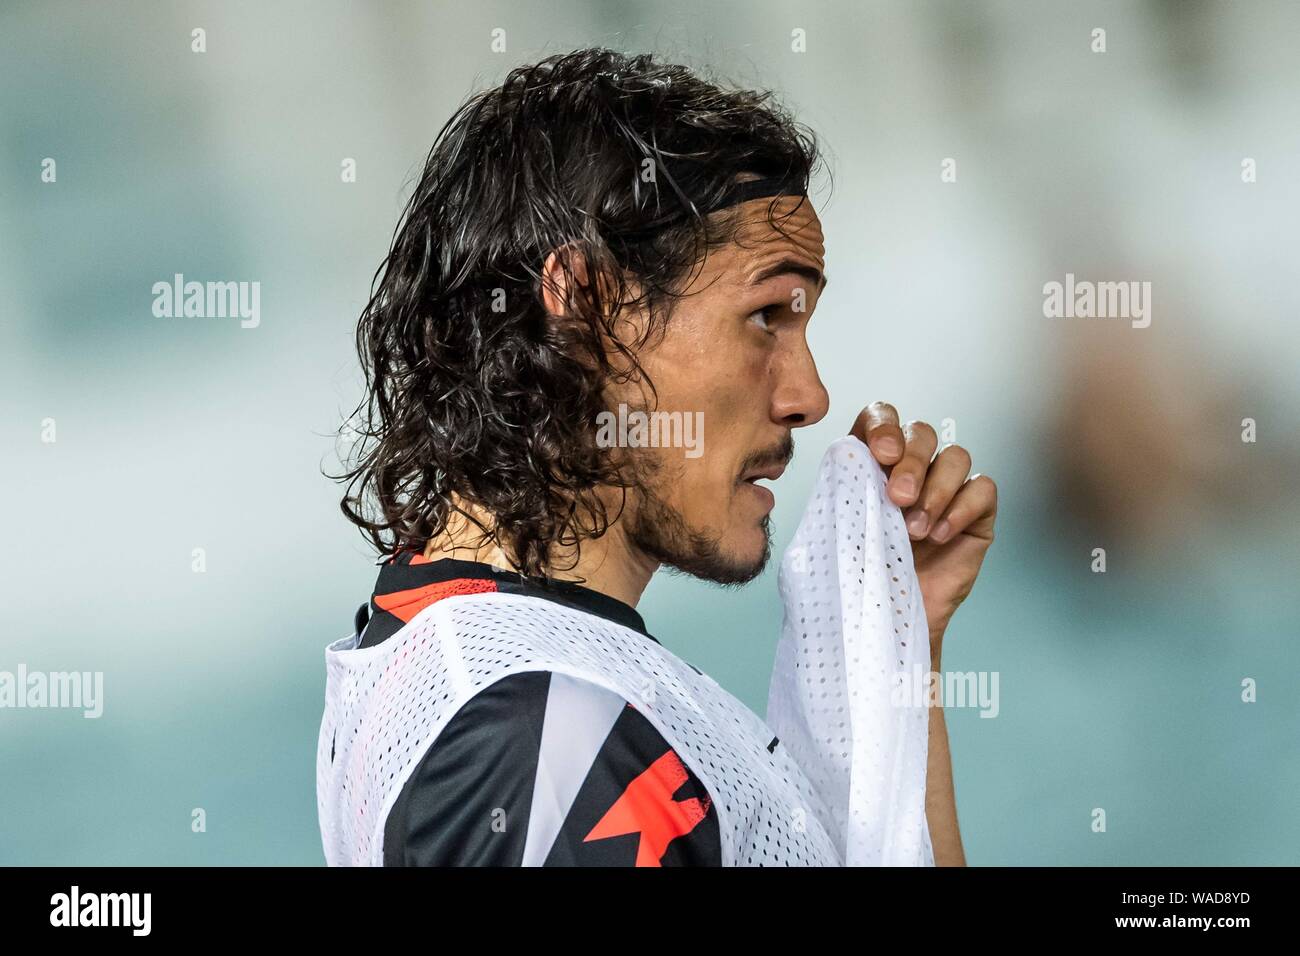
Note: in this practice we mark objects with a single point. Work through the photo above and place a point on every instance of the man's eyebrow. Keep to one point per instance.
(811, 273)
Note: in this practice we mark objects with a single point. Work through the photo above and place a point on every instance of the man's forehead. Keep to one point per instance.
(768, 234)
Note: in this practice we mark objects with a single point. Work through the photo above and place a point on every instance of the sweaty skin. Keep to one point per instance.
(736, 349)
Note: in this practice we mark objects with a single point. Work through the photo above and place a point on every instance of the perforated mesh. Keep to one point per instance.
(386, 704)
(854, 628)
(861, 799)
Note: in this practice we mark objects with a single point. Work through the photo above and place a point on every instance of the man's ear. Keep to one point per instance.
(565, 279)
(575, 291)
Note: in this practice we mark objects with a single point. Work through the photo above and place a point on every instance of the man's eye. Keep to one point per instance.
(763, 318)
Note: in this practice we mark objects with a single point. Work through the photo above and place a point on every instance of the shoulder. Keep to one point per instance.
(541, 768)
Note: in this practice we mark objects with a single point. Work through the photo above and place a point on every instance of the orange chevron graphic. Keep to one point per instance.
(404, 605)
(647, 807)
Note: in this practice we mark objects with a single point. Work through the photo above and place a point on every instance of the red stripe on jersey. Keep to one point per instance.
(647, 807)
(404, 605)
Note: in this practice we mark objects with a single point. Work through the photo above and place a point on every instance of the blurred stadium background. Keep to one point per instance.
(1119, 690)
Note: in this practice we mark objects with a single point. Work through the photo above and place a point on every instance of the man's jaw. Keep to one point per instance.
(659, 531)
(661, 534)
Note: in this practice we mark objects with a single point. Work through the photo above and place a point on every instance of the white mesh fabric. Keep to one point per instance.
(846, 783)
(386, 704)
(854, 627)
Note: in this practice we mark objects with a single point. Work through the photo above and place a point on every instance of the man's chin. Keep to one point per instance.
(729, 557)
(720, 561)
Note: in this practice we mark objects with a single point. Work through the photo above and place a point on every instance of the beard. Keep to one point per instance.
(661, 531)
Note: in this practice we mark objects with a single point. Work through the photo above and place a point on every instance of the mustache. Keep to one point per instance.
(779, 454)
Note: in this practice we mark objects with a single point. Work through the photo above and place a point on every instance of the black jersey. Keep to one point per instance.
(538, 768)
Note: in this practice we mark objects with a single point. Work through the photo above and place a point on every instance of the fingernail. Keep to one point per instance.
(906, 486)
(941, 532)
(888, 446)
(917, 522)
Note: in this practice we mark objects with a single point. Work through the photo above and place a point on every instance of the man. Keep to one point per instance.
(599, 233)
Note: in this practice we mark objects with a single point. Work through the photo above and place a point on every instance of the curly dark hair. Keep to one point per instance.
(474, 391)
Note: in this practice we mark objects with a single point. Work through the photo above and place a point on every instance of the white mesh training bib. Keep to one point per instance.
(854, 631)
(839, 787)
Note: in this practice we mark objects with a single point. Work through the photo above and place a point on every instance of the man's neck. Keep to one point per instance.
(607, 564)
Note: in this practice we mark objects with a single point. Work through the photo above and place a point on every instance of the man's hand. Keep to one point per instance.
(949, 515)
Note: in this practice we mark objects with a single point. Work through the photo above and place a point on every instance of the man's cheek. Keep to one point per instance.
(700, 494)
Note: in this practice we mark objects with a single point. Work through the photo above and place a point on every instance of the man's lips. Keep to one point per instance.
(754, 475)
(763, 494)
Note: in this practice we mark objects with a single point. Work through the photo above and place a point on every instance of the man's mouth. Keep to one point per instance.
(764, 494)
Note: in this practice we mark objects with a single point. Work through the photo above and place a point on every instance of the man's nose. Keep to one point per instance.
(800, 398)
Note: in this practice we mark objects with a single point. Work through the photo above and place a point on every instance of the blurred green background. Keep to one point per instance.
(1119, 690)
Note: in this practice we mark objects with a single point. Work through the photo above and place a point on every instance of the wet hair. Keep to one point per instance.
(474, 392)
